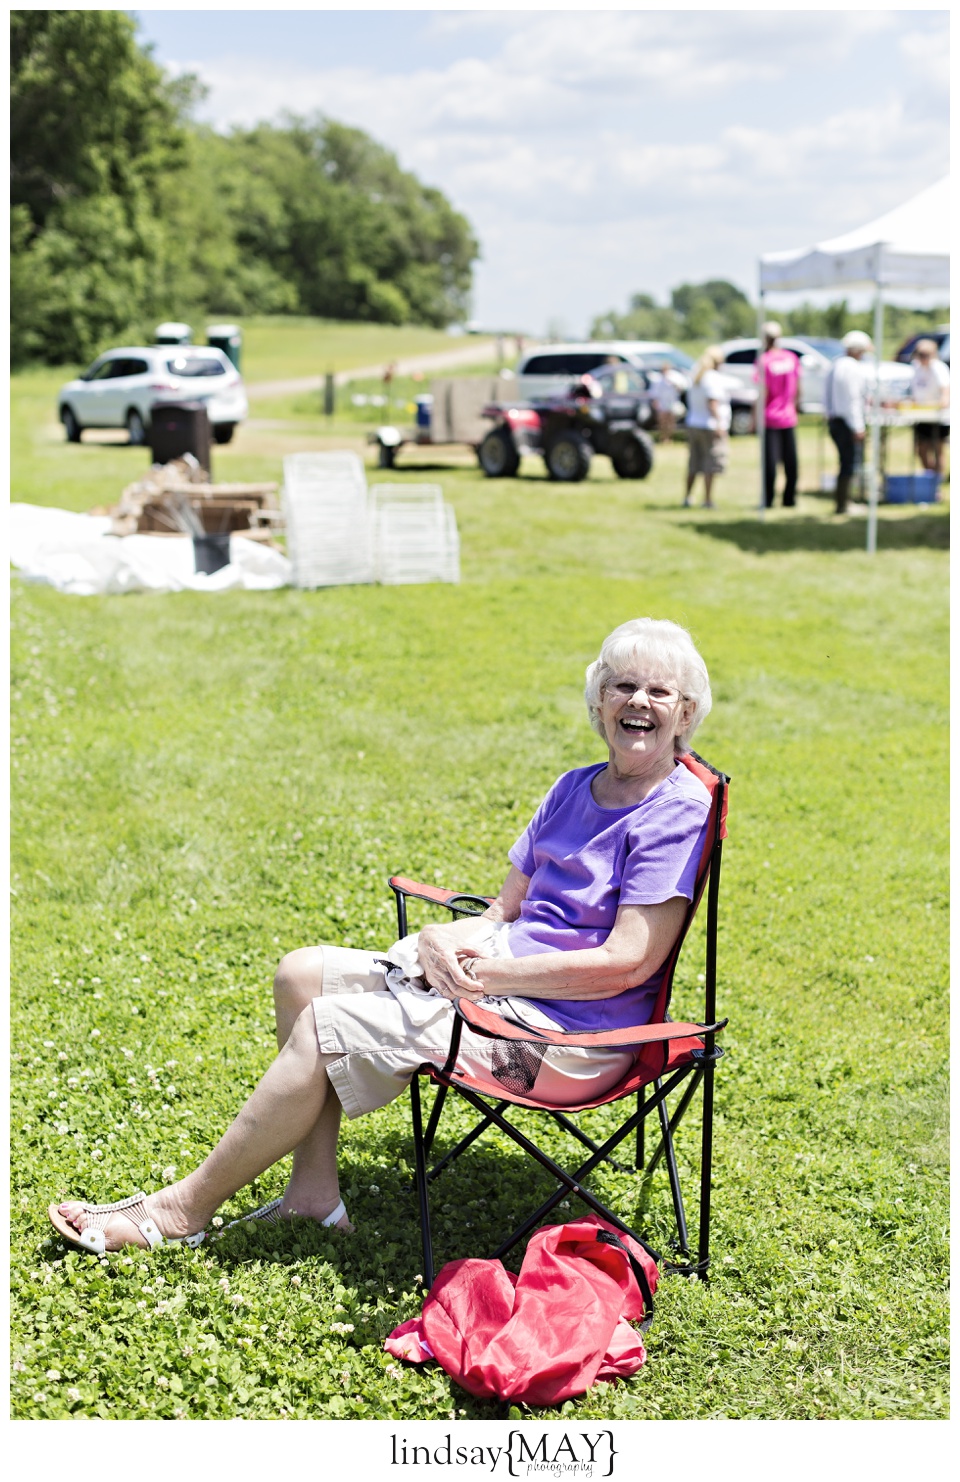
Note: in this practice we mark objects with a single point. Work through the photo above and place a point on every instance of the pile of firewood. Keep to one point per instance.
(178, 499)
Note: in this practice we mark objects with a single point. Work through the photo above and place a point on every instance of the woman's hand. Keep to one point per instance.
(442, 960)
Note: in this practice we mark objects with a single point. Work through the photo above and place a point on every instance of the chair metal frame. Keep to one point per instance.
(685, 1052)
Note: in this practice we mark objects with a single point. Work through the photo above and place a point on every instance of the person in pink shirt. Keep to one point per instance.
(781, 376)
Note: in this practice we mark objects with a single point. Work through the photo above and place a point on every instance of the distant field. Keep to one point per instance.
(279, 349)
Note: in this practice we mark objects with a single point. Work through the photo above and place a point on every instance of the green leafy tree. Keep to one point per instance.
(95, 132)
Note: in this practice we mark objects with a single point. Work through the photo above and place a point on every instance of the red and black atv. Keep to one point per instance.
(592, 417)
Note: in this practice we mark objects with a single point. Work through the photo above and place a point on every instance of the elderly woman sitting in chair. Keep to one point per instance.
(598, 886)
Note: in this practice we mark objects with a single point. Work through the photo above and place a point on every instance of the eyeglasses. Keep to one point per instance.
(655, 691)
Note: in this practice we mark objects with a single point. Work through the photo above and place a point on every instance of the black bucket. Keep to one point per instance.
(211, 552)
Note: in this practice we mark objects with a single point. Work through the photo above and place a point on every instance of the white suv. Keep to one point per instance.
(121, 388)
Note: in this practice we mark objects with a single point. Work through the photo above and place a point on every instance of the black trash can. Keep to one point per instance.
(228, 338)
(211, 552)
(180, 427)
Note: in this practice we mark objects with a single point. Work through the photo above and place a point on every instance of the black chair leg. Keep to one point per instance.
(671, 1159)
(641, 1127)
(423, 1193)
(706, 1171)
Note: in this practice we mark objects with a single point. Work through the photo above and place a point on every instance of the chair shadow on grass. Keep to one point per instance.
(813, 533)
(475, 1204)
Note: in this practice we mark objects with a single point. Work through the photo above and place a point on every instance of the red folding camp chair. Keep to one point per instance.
(668, 1054)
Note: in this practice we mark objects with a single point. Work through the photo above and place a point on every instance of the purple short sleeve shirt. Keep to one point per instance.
(585, 861)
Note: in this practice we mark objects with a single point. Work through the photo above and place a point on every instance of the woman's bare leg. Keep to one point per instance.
(313, 1178)
(282, 1112)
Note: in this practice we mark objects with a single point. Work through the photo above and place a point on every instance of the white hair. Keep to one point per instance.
(657, 648)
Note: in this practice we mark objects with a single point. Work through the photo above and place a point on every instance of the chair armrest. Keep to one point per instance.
(485, 1022)
(435, 893)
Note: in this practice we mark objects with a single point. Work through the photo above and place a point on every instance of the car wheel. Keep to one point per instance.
(498, 454)
(632, 455)
(741, 422)
(136, 428)
(386, 456)
(71, 426)
(223, 431)
(568, 458)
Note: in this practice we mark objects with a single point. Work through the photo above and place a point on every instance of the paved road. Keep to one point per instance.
(476, 354)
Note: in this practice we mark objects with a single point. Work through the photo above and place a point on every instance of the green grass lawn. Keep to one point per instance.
(202, 783)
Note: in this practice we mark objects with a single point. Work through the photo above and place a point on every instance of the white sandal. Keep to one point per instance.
(93, 1238)
(269, 1214)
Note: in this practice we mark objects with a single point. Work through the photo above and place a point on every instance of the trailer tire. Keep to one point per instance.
(386, 456)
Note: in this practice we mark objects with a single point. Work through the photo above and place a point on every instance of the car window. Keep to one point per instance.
(569, 363)
(740, 357)
(135, 367)
(195, 365)
(621, 379)
(104, 372)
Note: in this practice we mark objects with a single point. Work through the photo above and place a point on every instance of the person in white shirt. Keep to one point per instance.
(708, 423)
(846, 398)
(665, 396)
(930, 387)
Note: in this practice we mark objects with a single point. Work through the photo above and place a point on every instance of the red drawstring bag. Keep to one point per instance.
(548, 1333)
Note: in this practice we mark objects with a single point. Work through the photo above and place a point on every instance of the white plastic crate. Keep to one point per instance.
(415, 542)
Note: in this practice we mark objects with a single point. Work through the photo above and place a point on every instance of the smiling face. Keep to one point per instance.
(642, 715)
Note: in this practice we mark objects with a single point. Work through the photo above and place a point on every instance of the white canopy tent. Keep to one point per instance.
(905, 250)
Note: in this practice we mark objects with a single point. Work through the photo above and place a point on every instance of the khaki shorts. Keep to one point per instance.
(708, 451)
(383, 1031)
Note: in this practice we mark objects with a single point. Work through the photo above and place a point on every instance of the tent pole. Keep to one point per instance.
(874, 492)
(761, 417)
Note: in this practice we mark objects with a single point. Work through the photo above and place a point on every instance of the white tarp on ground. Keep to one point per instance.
(77, 554)
(909, 247)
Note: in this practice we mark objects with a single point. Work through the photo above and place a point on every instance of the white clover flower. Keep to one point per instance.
(296, 1280)
(39, 1397)
(52, 1374)
(73, 1394)
(73, 1081)
(217, 1221)
(171, 1091)
(162, 1382)
(341, 1327)
(224, 1283)
(49, 1044)
(96, 1153)
(62, 1055)
(374, 1189)
(94, 980)
(170, 1064)
(94, 1034)
(18, 1367)
(127, 1053)
(169, 1173)
(236, 1300)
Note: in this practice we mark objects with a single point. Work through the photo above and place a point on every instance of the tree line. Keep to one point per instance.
(125, 211)
(717, 310)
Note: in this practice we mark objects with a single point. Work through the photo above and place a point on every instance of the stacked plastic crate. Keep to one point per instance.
(329, 532)
(415, 534)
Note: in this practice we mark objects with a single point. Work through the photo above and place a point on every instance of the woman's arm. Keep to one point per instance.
(639, 943)
(441, 948)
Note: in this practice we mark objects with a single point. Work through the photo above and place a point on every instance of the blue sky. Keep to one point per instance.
(600, 153)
